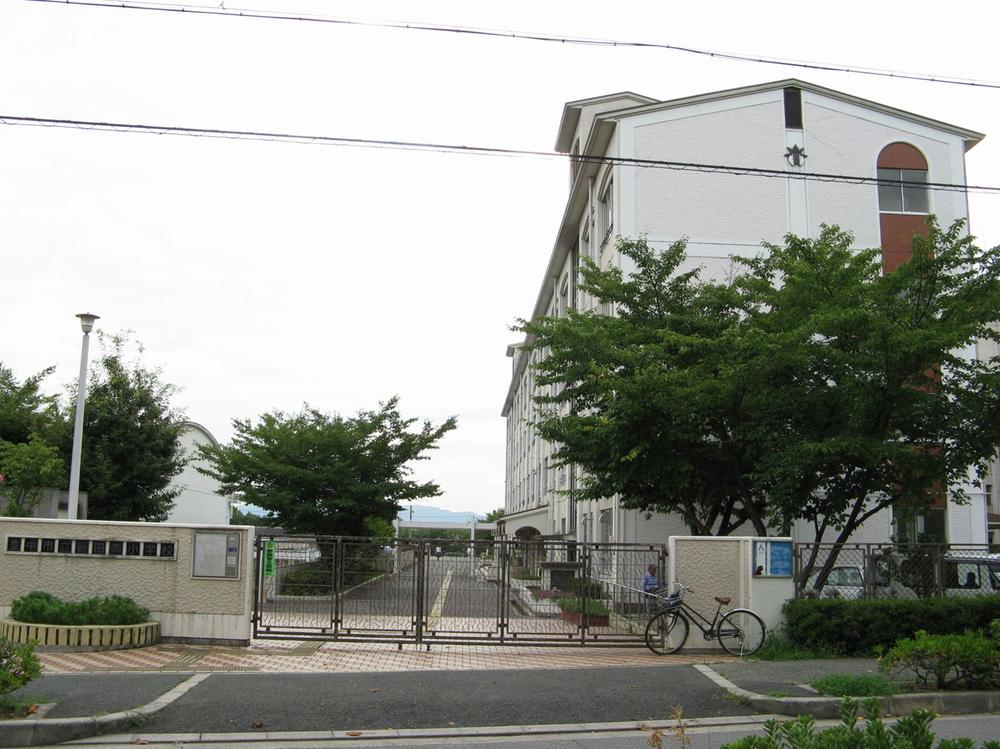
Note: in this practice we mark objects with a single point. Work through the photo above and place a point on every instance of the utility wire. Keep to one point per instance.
(402, 145)
(221, 10)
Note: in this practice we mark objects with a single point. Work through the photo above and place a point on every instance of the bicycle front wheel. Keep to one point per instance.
(741, 632)
(666, 632)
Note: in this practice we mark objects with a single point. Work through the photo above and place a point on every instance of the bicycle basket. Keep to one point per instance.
(670, 602)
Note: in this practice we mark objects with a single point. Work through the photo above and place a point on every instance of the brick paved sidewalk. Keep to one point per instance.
(313, 656)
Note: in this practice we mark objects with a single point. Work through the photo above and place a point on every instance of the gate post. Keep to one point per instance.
(503, 585)
(337, 585)
(420, 560)
(257, 585)
(588, 556)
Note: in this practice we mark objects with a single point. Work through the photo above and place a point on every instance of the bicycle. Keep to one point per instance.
(739, 631)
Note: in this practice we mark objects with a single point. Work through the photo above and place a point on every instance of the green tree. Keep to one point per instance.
(649, 401)
(494, 515)
(26, 468)
(326, 475)
(241, 517)
(812, 386)
(24, 409)
(30, 422)
(868, 394)
(130, 451)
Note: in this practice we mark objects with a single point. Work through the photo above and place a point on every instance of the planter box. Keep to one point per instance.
(593, 620)
(71, 638)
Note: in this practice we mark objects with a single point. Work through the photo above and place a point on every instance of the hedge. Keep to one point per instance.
(862, 627)
(43, 608)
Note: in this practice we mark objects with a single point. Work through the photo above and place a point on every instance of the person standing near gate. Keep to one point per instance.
(650, 584)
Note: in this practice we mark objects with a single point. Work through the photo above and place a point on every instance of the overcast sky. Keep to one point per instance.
(261, 275)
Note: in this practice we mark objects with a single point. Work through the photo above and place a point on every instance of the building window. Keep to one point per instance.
(902, 191)
(607, 212)
(902, 175)
(574, 162)
(793, 109)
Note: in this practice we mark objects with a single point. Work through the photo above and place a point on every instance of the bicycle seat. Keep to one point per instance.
(723, 599)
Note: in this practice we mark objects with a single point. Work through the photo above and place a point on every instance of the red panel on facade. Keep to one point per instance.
(901, 156)
(897, 231)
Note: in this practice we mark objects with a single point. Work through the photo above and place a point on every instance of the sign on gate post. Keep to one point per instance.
(269, 559)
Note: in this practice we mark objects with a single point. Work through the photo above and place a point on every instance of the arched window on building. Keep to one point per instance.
(903, 201)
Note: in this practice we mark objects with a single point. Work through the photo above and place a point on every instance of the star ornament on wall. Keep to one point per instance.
(795, 155)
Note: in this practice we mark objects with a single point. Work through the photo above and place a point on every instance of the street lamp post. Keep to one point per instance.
(87, 323)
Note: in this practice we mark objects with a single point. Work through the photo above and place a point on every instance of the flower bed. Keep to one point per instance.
(109, 623)
(69, 637)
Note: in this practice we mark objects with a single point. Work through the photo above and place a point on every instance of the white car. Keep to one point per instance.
(960, 575)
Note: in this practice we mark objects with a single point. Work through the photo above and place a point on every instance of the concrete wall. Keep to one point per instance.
(187, 607)
(714, 566)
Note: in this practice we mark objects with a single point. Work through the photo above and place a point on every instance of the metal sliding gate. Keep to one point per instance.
(448, 590)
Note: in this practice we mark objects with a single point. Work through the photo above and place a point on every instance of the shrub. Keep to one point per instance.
(18, 666)
(863, 627)
(39, 607)
(573, 605)
(951, 661)
(910, 732)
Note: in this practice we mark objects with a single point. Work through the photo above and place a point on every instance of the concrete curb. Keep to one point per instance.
(34, 731)
(539, 730)
(954, 703)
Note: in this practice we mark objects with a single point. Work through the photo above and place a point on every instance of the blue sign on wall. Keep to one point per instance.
(772, 559)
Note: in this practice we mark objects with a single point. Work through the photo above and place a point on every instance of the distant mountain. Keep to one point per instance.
(421, 513)
(427, 514)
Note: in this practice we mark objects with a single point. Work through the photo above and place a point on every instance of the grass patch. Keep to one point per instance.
(736, 699)
(23, 706)
(854, 685)
(777, 647)
(779, 693)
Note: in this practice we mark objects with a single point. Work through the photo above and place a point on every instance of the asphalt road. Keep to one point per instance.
(228, 702)
(77, 695)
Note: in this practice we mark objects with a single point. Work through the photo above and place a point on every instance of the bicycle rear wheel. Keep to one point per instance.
(741, 632)
(666, 632)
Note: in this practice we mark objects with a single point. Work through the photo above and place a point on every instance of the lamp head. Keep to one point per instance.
(87, 321)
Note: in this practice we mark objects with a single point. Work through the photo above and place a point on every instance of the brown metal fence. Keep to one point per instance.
(895, 570)
(447, 590)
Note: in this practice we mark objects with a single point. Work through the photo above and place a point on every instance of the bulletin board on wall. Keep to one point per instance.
(216, 554)
(772, 558)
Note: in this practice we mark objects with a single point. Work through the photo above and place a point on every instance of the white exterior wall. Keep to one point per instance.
(843, 138)
(716, 212)
(200, 500)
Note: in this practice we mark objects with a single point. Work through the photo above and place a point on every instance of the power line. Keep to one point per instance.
(526, 36)
(329, 140)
